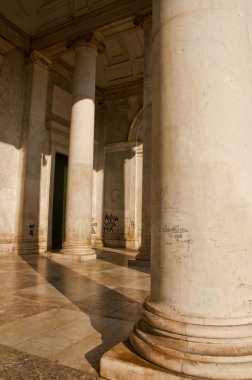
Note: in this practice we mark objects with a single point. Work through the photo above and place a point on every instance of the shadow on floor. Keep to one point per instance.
(84, 288)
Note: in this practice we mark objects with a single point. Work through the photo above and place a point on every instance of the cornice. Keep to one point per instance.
(102, 94)
(119, 146)
(63, 69)
(94, 20)
(14, 35)
(122, 91)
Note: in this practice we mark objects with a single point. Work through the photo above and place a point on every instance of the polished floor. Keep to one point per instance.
(58, 318)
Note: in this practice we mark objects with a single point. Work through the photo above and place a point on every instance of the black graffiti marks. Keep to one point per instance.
(179, 242)
(31, 229)
(93, 227)
(176, 232)
(110, 223)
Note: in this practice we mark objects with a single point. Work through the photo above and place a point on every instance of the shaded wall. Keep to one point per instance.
(12, 95)
(121, 226)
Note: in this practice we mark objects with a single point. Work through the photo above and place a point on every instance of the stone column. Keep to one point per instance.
(197, 321)
(143, 256)
(31, 221)
(80, 164)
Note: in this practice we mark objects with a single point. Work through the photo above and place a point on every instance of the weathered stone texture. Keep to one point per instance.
(12, 90)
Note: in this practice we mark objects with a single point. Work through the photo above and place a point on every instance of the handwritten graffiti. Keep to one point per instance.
(31, 229)
(110, 223)
(93, 227)
(179, 242)
(176, 232)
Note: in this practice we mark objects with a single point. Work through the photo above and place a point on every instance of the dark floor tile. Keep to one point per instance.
(110, 304)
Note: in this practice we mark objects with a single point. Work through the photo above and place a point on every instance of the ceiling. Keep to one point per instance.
(122, 60)
(22, 13)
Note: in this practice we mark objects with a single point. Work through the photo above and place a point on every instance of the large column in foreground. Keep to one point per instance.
(80, 164)
(144, 252)
(198, 318)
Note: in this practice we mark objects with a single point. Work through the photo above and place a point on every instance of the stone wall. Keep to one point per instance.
(12, 94)
(115, 197)
(123, 164)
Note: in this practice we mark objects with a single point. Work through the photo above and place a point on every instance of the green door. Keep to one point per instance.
(59, 201)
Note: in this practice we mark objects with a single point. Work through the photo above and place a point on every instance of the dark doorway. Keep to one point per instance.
(59, 201)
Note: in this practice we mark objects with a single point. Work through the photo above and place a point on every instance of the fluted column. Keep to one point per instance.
(197, 321)
(80, 164)
(144, 251)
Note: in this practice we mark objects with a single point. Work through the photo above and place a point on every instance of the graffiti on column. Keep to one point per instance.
(93, 227)
(31, 229)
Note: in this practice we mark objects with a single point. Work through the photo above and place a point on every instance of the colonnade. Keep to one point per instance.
(197, 321)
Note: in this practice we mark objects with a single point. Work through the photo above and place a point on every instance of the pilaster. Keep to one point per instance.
(33, 237)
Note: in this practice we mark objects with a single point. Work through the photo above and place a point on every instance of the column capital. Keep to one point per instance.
(90, 38)
(143, 20)
(39, 59)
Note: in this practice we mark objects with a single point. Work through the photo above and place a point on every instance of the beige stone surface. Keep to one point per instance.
(80, 164)
(122, 363)
(12, 84)
(145, 249)
(61, 103)
(36, 165)
(201, 205)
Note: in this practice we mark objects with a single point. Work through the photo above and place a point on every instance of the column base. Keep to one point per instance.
(77, 252)
(142, 258)
(98, 242)
(122, 363)
(27, 248)
(200, 348)
(139, 263)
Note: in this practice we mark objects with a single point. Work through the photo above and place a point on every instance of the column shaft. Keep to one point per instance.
(80, 166)
(198, 319)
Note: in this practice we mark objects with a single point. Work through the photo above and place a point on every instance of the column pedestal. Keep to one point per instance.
(123, 363)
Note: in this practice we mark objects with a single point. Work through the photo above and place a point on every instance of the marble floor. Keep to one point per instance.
(58, 318)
